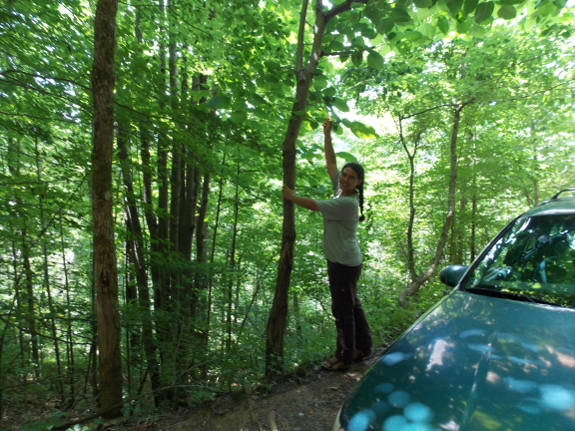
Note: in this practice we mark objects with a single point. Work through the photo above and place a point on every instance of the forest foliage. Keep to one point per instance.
(460, 111)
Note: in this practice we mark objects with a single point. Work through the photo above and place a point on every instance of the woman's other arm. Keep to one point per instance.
(290, 195)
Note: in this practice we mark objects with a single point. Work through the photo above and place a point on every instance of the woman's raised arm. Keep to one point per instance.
(328, 153)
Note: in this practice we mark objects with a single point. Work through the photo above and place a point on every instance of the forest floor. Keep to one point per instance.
(306, 401)
(301, 403)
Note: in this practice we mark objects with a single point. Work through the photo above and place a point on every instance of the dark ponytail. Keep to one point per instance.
(360, 191)
(360, 176)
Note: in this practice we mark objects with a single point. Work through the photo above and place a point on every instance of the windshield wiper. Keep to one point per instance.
(508, 295)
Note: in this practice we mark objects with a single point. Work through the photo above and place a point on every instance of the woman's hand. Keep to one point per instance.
(327, 126)
(288, 193)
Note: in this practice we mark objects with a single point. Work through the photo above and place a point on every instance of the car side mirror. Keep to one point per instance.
(452, 274)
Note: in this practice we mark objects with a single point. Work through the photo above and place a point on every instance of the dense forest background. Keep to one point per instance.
(461, 112)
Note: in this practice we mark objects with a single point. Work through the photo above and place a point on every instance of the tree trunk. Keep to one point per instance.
(69, 330)
(59, 384)
(411, 200)
(137, 256)
(105, 269)
(232, 264)
(30, 315)
(415, 285)
(277, 321)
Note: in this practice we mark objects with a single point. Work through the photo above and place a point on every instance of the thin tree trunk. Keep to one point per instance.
(8, 317)
(69, 332)
(411, 200)
(277, 320)
(212, 257)
(30, 297)
(59, 383)
(412, 288)
(106, 271)
(21, 311)
(30, 314)
(232, 265)
(137, 255)
(472, 251)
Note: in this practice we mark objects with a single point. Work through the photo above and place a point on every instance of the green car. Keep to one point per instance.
(497, 352)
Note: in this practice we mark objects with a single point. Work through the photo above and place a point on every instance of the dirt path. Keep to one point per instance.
(308, 404)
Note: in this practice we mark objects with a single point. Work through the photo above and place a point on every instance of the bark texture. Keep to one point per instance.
(105, 268)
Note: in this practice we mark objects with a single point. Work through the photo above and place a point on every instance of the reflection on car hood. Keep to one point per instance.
(473, 363)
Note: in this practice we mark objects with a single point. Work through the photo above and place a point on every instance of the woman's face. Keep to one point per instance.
(348, 181)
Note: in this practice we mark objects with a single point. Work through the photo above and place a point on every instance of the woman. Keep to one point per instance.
(344, 258)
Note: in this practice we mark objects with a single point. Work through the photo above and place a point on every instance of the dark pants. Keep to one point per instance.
(352, 328)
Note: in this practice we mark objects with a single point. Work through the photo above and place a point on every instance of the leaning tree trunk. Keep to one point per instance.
(415, 285)
(277, 321)
(105, 269)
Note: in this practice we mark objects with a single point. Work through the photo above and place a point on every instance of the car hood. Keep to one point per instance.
(473, 362)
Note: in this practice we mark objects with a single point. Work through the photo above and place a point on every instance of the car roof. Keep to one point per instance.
(556, 205)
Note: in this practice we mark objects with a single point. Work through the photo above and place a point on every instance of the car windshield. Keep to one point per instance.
(534, 260)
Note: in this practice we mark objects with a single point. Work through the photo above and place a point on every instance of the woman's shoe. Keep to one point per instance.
(360, 354)
(335, 364)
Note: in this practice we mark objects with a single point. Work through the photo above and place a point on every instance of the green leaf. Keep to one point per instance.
(221, 101)
(336, 45)
(239, 105)
(239, 117)
(507, 12)
(368, 32)
(510, 2)
(260, 113)
(376, 11)
(403, 3)
(469, 6)
(256, 100)
(413, 35)
(464, 27)
(329, 92)
(404, 47)
(423, 4)
(341, 105)
(357, 58)
(477, 31)
(373, 13)
(550, 30)
(362, 131)
(348, 157)
(328, 68)
(384, 26)
(198, 95)
(346, 123)
(384, 49)
(483, 11)
(443, 24)
(320, 82)
(400, 15)
(443, 6)
(272, 65)
(454, 6)
(375, 60)
(358, 42)
(427, 30)
(546, 8)
(421, 15)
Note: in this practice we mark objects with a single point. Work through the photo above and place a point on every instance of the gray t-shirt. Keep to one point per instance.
(340, 216)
